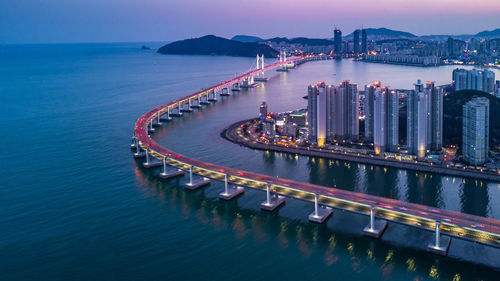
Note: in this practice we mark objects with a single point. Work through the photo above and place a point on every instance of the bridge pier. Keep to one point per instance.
(376, 227)
(158, 123)
(150, 164)
(188, 108)
(214, 97)
(225, 92)
(133, 145)
(206, 101)
(441, 245)
(198, 104)
(151, 129)
(321, 213)
(179, 111)
(273, 201)
(195, 183)
(235, 87)
(167, 118)
(230, 191)
(165, 174)
(138, 153)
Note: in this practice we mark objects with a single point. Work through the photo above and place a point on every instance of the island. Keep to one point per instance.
(218, 46)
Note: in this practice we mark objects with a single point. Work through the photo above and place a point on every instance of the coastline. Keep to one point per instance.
(229, 134)
(402, 63)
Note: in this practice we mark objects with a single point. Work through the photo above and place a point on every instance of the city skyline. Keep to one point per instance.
(153, 20)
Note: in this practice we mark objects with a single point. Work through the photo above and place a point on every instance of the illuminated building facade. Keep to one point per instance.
(475, 131)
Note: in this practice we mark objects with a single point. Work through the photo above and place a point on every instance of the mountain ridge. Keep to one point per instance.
(213, 45)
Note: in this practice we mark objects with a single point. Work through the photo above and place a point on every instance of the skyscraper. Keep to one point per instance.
(475, 130)
(333, 112)
(451, 47)
(364, 46)
(459, 78)
(474, 79)
(349, 112)
(337, 41)
(356, 41)
(383, 124)
(417, 114)
(379, 120)
(434, 117)
(368, 107)
(488, 81)
(318, 101)
(392, 121)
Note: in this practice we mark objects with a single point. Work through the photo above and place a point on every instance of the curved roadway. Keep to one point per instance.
(456, 224)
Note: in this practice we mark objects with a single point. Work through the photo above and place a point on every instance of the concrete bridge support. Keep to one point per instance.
(206, 101)
(321, 213)
(225, 92)
(198, 103)
(187, 107)
(273, 201)
(166, 174)
(158, 122)
(195, 183)
(441, 244)
(230, 191)
(133, 145)
(376, 227)
(150, 163)
(235, 87)
(166, 116)
(138, 151)
(178, 111)
(214, 96)
(151, 129)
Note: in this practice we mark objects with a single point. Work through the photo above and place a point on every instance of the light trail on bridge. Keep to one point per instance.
(455, 224)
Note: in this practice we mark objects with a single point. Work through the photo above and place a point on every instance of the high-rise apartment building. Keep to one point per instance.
(475, 130)
(392, 121)
(337, 41)
(417, 114)
(364, 43)
(348, 110)
(434, 96)
(451, 47)
(479, 80)
(381, 118)
(356, 41)
(425, 119)
(318, 108)
(368, 108)
(333, 112)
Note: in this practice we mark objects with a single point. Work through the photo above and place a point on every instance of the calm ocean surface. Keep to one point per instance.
(74, 204)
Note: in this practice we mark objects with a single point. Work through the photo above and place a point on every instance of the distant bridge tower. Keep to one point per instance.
(282, 55)
(260, 62)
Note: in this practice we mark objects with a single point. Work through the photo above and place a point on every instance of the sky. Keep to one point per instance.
(58, 21)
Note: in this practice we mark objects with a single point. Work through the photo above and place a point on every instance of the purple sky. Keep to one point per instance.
(48, 21)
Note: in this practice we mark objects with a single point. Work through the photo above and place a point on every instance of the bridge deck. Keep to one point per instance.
(460, 225)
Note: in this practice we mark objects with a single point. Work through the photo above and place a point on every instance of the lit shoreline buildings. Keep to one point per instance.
(382, 118)
(475, 131)
(425, 119)
(474, 79)
(333, 112)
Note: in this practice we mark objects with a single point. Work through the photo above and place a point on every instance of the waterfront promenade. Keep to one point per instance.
(233, 132)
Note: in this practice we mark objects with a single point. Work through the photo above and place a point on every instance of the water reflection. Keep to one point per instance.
(424, 189)
(474, 198)
(364, 257)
